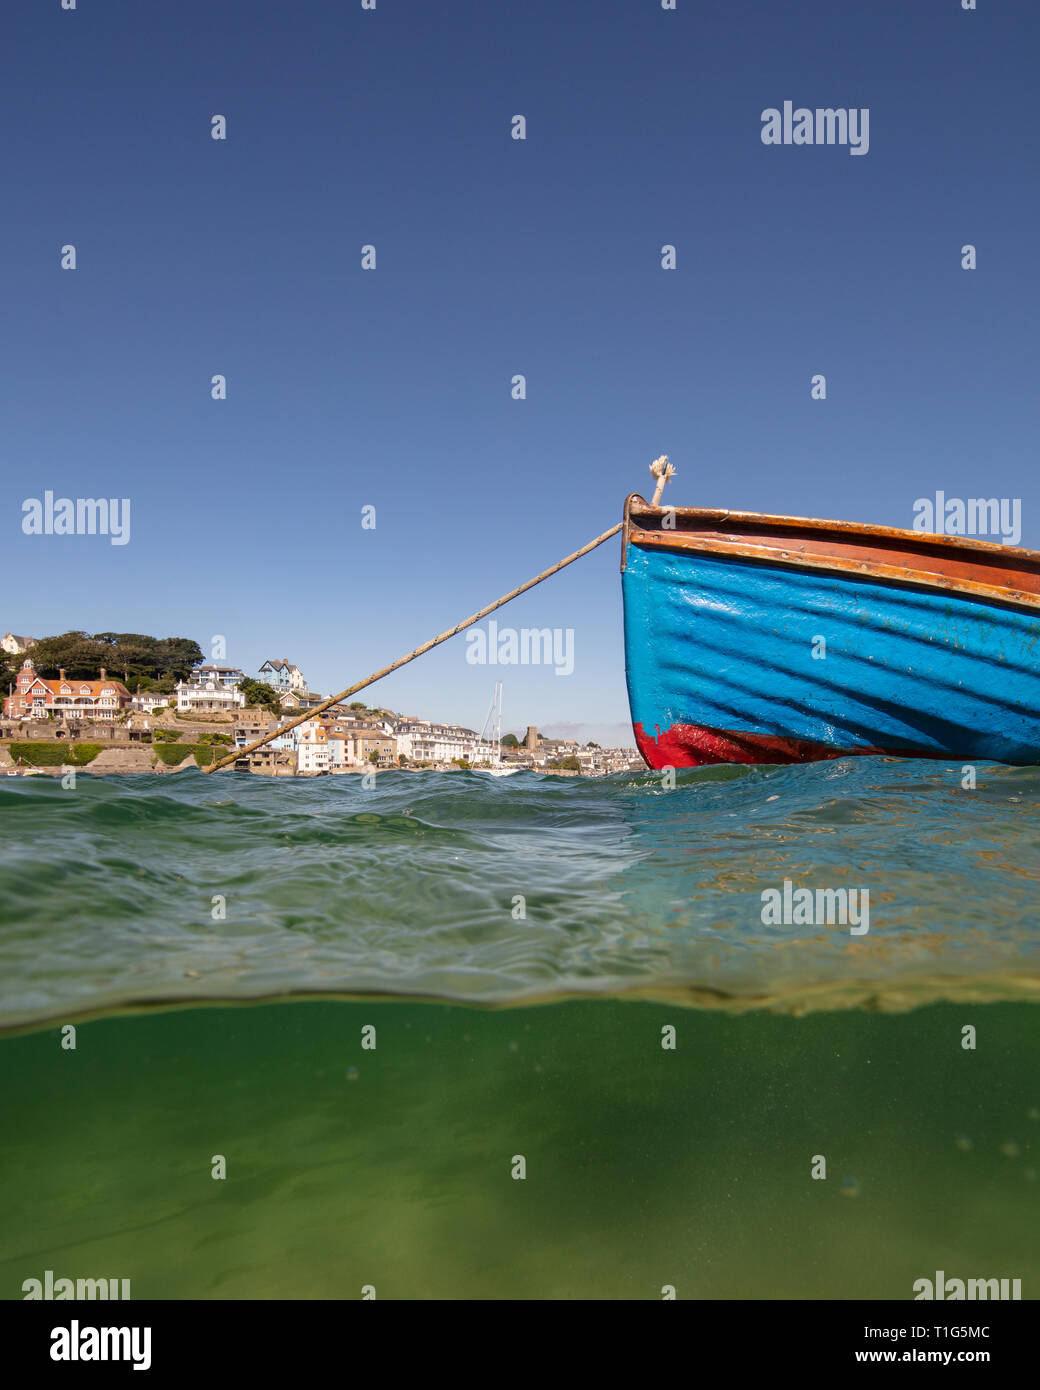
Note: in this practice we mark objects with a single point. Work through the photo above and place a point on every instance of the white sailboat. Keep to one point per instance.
(494, 718)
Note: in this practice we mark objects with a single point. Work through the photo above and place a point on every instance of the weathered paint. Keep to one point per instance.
(719, 655)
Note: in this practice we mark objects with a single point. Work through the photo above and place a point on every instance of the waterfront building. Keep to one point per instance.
(36, 698)
(268, 762)
(312, 752)
(424, 742)
(365, 742)
(339, 749)
(249, 729)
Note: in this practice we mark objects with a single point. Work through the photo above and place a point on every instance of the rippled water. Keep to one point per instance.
(503, 890)
(647, 1164)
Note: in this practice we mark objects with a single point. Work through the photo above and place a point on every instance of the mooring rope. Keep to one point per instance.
(662, 471)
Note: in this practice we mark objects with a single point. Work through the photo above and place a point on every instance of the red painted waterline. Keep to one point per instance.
(695, 745)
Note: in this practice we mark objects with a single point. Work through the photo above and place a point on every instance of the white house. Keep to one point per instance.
(312, 748)
(211, 688)
(423, 742)
(149, 701)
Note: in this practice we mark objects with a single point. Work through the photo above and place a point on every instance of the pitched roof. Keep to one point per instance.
(72, 685)
(95, 687)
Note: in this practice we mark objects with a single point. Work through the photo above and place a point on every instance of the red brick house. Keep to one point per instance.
(36, 698)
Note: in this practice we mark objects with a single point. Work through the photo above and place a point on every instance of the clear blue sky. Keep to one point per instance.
(494, 257)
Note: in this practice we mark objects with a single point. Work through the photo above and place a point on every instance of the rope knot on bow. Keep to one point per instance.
(663, 472)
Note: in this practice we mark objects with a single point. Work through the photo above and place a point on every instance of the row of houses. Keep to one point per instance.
(37, 697)
(540, 754)
(336, 744)
(342, 740)
(217, 688)
(208, 689)
(339, 740)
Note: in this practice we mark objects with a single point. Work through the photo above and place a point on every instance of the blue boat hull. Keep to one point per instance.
(733, 659)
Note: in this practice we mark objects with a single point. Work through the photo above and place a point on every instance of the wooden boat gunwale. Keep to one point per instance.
(869, 549)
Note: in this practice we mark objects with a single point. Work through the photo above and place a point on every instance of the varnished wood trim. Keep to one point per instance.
(867, 569)
(705, 518)
(955, 564)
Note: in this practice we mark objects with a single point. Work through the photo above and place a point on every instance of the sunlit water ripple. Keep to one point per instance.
(511, 890)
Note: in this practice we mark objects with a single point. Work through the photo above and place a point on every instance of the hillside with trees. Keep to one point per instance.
(154, 663)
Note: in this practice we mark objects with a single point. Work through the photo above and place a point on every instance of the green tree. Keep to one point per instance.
(157, 685)
(132, 656)
(373, 757)
(9, 664)
(74, 652)
(510, 741)
(176, 657)
(260, 695)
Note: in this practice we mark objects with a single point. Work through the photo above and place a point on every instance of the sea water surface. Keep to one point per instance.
(460, 1036)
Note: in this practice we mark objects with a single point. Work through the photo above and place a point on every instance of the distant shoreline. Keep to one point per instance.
(128, 759)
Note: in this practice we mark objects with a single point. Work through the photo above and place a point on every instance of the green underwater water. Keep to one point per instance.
(645, 1167)
(221, 943)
